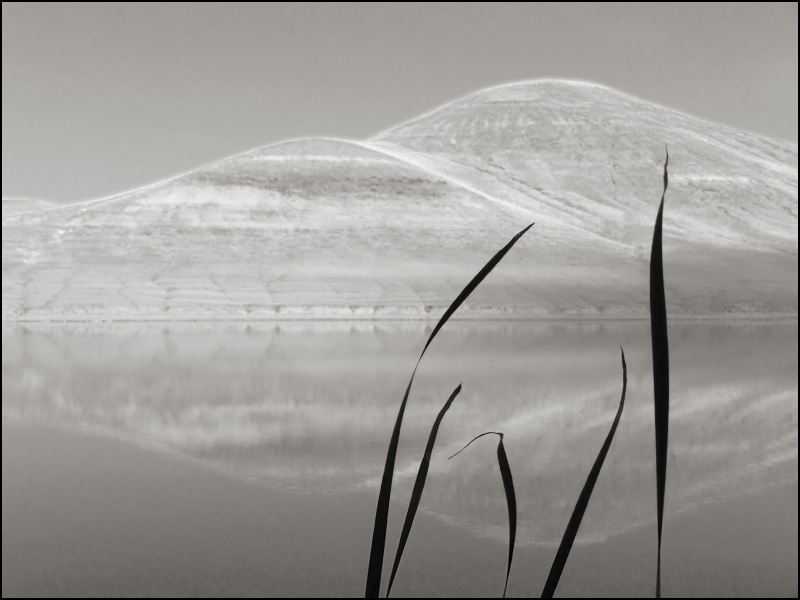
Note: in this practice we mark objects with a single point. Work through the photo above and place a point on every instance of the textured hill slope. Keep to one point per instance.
(316, 226)
(584, 154)
(395, 226)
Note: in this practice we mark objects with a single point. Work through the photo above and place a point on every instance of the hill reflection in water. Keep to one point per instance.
(309, 407)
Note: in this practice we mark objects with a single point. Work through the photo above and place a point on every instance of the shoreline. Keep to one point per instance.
(713, 317)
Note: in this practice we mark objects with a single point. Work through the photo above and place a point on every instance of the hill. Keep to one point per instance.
(395, 226)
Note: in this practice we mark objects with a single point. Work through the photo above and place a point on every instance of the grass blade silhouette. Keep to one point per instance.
(382, 512)
(658, 335)
(419, 485)
(511, 497)
(583, 500)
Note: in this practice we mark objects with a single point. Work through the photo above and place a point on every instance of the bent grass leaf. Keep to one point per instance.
(583, 500)
(419, 486)
(658, 335)
(511, 497)
(382, 512)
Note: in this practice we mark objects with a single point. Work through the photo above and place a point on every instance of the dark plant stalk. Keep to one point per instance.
(511, 497)
(658, 334)
(419, 486)
(377, 549)
(583, 500)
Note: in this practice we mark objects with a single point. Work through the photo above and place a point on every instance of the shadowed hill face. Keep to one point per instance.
(395, 227)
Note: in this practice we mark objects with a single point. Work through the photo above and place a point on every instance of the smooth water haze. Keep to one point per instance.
(244, 459)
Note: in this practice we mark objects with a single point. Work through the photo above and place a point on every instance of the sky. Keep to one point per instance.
(100, 98)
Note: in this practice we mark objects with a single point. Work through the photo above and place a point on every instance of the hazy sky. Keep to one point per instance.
(103, 97)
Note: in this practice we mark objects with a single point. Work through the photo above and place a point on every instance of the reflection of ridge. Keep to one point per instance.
(255, 413)
(526, 528)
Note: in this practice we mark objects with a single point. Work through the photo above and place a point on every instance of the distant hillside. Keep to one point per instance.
(584, 155)
(13, 206)
(395, 226)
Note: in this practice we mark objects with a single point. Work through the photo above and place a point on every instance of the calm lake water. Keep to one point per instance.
(233, 459)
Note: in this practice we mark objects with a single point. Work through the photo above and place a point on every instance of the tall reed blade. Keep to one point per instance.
(658, 334)
(511, 501)
(419, 485)
(583, 500)
(382, 512)
(511, 497)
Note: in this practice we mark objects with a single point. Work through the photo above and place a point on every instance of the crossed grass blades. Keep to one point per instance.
(382, 512)
(658, 325)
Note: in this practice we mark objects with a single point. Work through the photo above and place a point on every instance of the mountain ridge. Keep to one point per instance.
(13, 205)
(575, 83)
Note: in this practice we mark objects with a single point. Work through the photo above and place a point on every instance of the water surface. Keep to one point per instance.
(245, 459)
